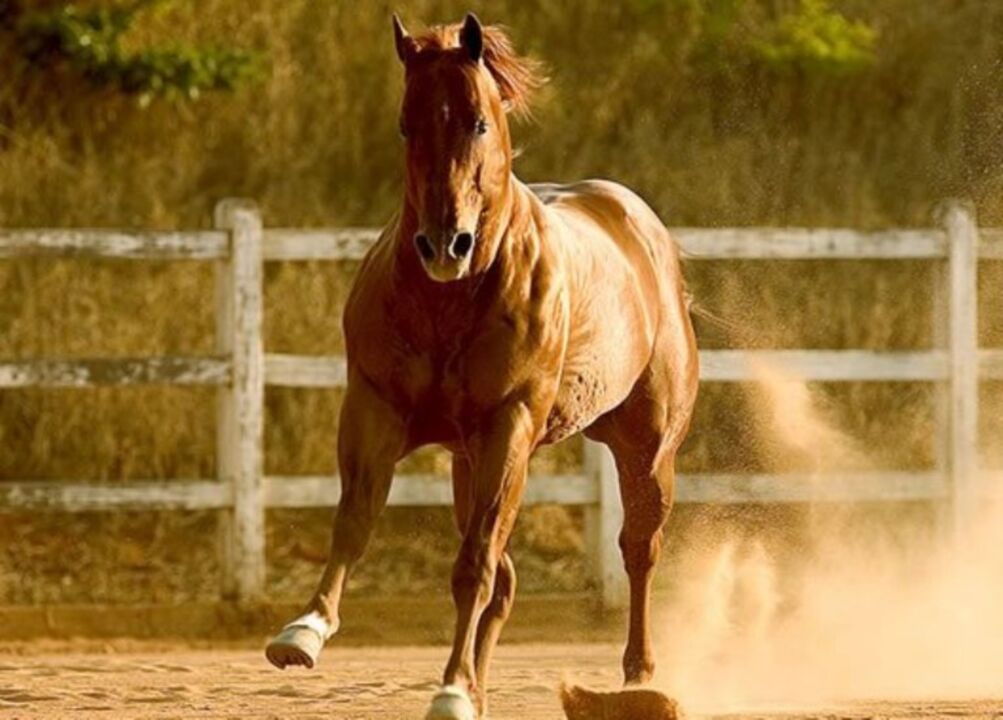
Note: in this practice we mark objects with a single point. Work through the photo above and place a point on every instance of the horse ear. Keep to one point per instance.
(402, 41)
(472, 37)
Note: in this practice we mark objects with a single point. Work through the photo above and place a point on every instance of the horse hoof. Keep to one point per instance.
(295, 645)
(451, 703)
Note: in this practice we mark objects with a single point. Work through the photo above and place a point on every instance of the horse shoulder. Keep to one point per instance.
(375, 343)
(611, 243)
(519, 348)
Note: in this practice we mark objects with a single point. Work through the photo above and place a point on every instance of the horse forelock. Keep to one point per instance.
(518, 77)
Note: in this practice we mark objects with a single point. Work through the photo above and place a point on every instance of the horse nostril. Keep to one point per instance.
(462, 244)
(424, 246)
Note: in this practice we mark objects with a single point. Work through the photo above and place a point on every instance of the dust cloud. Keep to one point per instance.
(855, 619)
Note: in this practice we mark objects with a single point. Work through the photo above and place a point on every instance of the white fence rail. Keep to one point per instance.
(241, 370)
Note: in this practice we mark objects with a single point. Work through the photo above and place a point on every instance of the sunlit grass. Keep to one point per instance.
(633, 98)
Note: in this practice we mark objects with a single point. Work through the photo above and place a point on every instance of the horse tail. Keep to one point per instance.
(699, 311)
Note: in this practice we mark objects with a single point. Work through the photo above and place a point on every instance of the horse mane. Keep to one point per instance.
(518, 77)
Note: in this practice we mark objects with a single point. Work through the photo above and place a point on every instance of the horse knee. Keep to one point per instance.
(473, 576)
(350, 535)
(354, 521)
(364, 493)
(645, 514)
(640, 553)
(504, 590)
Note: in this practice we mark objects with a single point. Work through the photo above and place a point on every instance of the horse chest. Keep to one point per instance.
(451, 384)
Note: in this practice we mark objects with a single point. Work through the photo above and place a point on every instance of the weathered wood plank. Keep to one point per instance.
(240, 406)
(305, 370)
(58, 496)
(807, 243)
(433, 490)
(963, 347)
(991, 244)
(422, 490)
(738, 488)
(941, 435)
(353, 243)
(795, 488)
(122, 244)
(603, 522)
(824, 365)
(323, 244)
(991, 364)
(715, 365)
(114, 371)
(697, 243)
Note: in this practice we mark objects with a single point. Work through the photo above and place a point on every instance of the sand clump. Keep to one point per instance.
(630, 704)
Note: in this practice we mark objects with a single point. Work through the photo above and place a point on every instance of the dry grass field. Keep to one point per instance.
(687, 102)
(856, 113)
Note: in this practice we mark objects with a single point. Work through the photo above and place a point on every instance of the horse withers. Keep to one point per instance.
(490, 318)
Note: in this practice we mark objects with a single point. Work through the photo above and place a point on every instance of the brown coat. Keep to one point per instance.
(490, 318)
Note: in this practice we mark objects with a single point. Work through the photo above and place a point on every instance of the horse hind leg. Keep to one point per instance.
(647, 500)
(644, 435)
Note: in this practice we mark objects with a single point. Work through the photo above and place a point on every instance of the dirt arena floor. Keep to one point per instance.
(371, 683)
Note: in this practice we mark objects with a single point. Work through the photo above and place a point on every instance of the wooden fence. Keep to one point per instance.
(241, 369)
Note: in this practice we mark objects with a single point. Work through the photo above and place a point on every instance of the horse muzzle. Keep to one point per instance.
(447, 258)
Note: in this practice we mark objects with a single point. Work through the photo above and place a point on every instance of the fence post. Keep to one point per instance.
(961, 283)
(239, 415)
(602, 526)
(942, 444)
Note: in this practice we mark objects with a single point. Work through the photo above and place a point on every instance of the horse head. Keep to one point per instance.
(460, 83)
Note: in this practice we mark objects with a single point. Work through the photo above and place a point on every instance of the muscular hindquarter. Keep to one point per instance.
(625, 297)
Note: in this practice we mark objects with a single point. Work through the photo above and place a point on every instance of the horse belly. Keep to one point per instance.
(607, 352)
(589, 390)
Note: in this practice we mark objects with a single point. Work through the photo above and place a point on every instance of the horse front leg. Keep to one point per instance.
(499, 458)
(497, 612)
(493, 620)
(371, 438)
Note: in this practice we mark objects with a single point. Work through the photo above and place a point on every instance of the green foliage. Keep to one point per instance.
(818, 39)
(89, 42)
(812, 40)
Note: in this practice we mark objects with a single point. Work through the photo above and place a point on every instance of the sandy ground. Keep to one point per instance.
(350, 683)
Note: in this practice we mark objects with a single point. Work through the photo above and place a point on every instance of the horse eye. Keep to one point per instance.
(481, 127)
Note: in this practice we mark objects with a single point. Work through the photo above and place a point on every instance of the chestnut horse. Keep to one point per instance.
(492, 317)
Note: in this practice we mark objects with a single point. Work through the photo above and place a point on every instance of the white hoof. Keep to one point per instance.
(300, 642)
(451, 703)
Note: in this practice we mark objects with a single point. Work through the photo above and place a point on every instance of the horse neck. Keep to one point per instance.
(435, 311)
